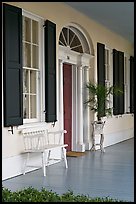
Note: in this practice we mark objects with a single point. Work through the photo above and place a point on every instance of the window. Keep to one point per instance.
(31, 69)
(25, 64)
(107, 74)
(107, 64)
(72, 38)
(69, 39)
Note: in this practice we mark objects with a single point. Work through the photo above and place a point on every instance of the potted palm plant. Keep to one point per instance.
(99, 99)
(99, 103)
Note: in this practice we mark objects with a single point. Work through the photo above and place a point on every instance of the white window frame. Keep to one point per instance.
(108, 74)
(40, 107)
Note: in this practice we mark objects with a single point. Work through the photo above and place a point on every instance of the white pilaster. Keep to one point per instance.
(80, 145)
(87, 136)
(61, 95)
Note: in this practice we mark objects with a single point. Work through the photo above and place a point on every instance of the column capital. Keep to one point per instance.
(80, 67)
(87, 68)
(61, 61)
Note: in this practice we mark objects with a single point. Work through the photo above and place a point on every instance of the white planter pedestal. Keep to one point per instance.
(98, 130)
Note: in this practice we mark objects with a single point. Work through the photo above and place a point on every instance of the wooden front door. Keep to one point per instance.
(67, 94)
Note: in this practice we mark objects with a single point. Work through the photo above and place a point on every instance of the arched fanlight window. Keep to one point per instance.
(71, 37)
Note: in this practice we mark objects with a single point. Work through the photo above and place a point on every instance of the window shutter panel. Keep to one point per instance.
(101, 67)
(50, 71)
(131, 84)
(118, 80)
(115, 82)
(12, 65)
(101, 63)
(121, 81)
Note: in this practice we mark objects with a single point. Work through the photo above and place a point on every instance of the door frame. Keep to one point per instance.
(82, 61)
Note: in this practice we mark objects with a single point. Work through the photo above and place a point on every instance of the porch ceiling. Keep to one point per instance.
(116, 16)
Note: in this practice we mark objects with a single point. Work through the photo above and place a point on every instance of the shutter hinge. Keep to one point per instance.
(53, 124)
(11, 130)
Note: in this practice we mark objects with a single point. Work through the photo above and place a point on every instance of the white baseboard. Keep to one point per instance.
(13, 166)
(116, 137)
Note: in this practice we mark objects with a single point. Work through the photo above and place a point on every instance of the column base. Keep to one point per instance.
(88, 146)
(81, 148)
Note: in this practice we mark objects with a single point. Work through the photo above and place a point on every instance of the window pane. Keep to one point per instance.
(64, 34)
(32, 81)
(27, 55)
(76, 45)
(71, 36)
(35, 56)
(25, 81)
(25, 106)
(27, 29)
(35, 32)
(78, 49)
(61, 40)
(33, 106)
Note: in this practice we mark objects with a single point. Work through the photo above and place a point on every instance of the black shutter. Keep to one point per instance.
(50, 71)
(101, 63)
(101, 68)
(12, 65)
(115, 82)
(121, 81)
(118, 80)
(131, 84)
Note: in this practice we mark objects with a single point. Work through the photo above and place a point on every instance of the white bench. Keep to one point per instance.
(43, 141)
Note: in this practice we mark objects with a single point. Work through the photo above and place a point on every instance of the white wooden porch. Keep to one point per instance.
(95, 174)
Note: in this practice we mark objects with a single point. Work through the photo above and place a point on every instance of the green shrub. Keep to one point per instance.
(33, 195)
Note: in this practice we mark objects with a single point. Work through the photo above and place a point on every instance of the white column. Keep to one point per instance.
(80, 145)
(87, 136)
(61, 115)
(74, 109)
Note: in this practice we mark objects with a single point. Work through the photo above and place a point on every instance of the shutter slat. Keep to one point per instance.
(50, 71)
(12, 65)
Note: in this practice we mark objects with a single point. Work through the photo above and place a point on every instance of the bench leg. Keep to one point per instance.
(64, 156)
(25, 163)
(43, 163)
(48, 157)
(45, 160)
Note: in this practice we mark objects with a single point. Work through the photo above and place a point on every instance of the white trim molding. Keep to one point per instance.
(13, 166)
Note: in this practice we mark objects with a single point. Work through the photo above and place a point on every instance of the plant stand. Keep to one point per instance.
(98, 130)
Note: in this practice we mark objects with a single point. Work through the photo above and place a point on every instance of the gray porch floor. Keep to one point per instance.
(96, 174)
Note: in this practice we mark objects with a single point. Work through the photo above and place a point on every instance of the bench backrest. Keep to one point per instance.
(35, 139)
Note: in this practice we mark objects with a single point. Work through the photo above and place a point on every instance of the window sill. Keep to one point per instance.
(30, 125)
